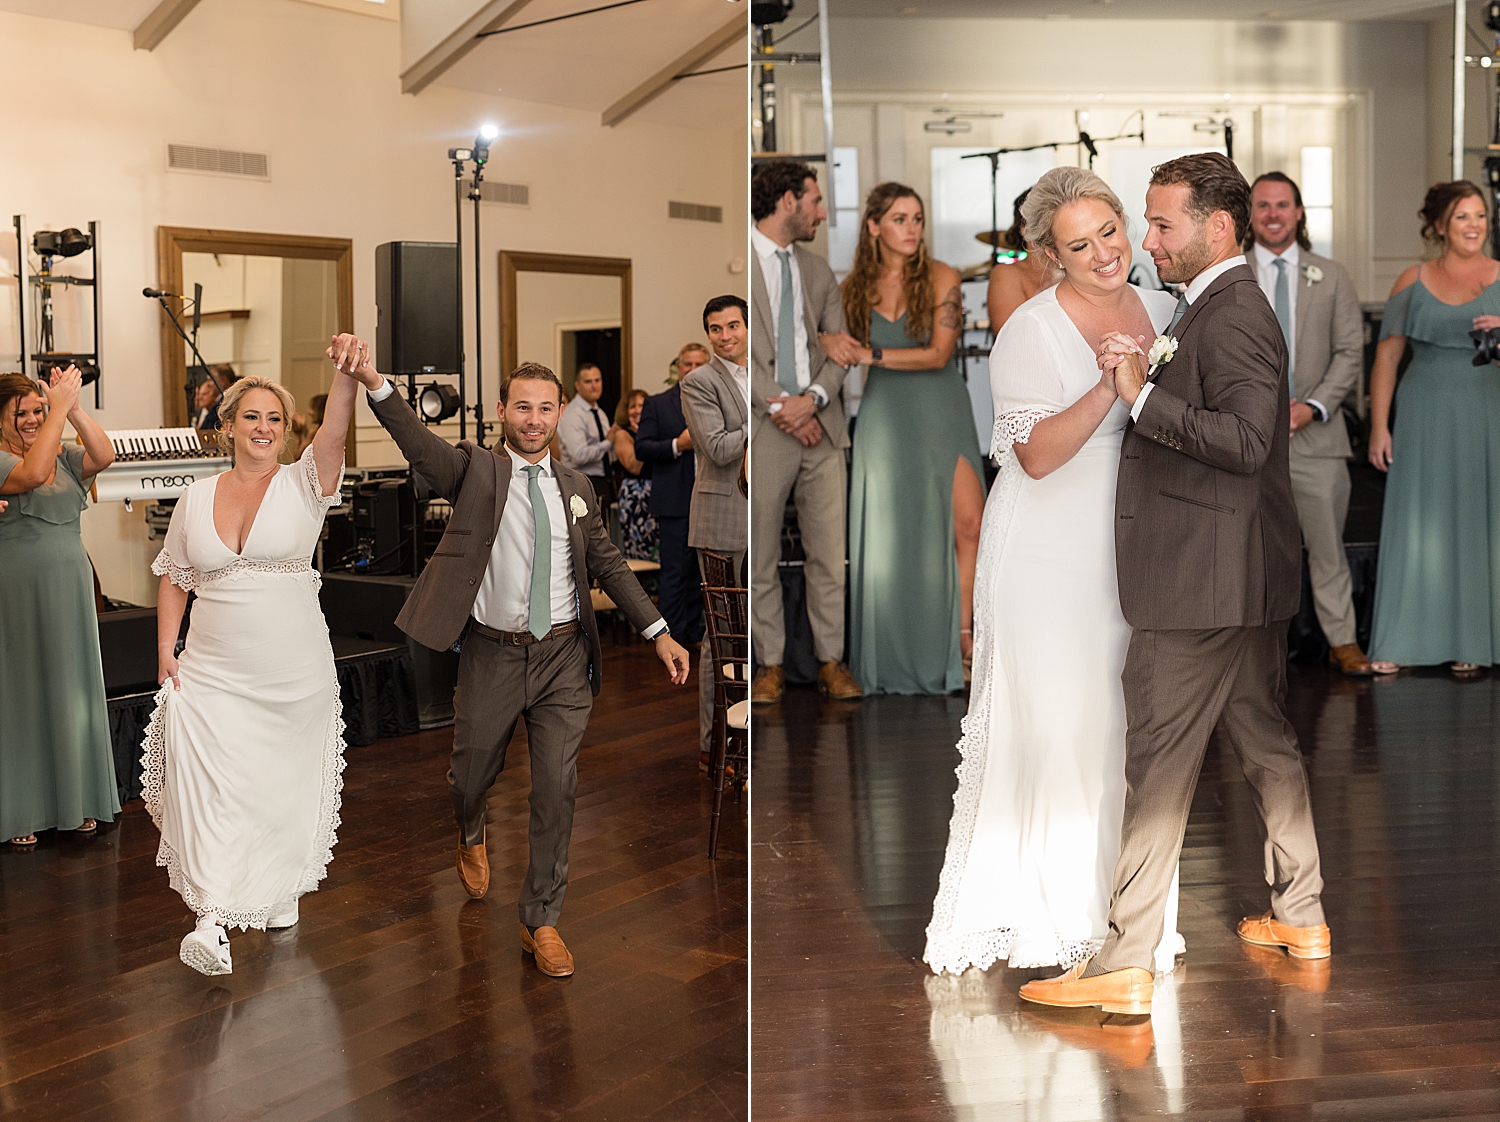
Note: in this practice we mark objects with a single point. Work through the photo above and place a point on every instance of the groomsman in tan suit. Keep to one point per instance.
(1316, 305)
(797, 430)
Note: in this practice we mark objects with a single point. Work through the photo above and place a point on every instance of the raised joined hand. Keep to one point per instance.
(351, 355)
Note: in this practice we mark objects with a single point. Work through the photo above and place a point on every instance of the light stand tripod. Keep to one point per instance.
(480, 155)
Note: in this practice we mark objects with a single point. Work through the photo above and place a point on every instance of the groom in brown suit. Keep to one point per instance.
(509, 584)
(1209, 561)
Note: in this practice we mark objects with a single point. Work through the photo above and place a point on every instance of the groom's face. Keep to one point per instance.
(1176, 239)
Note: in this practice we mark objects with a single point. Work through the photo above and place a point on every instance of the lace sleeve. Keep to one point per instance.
(1015, 428)
(172, 562)
(184, 577)
(320, 501)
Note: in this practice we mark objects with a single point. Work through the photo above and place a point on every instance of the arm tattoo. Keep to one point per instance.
(951, 311)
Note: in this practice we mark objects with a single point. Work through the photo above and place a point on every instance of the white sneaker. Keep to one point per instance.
(287, 918)
(206, 949)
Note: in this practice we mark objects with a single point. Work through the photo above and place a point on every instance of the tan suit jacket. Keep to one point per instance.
(1206, 532)
(477, 481)
(717, 413)
(823, 310)
(1330, 354)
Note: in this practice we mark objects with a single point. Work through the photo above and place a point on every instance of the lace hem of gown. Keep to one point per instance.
(950, 953)
(153, 781)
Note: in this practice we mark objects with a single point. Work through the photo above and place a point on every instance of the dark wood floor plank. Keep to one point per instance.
(850, 824)
(397, 996)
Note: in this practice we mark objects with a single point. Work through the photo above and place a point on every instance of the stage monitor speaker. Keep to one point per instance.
(416, 304)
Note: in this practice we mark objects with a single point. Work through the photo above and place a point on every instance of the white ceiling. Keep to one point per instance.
(124, 15)
(591, 62)
(1133, 9)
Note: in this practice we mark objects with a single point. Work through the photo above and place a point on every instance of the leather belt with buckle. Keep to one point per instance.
(522, 638)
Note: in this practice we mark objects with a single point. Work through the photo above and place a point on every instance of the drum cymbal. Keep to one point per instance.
(975, 272)
(991, 237)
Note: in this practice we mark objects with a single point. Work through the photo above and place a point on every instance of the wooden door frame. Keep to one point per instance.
(173, 241)
(513, 262)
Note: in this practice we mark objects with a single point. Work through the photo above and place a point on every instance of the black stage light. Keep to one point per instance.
(437, 402)
(60, 243)
(766, 12)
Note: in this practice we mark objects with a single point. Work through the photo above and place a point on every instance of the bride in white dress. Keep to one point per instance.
(244, 754)
(1041, 788)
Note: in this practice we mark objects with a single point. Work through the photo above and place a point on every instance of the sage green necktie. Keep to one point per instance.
(1283, 307)
(539, 612)
(1177, 312)
(786, 329)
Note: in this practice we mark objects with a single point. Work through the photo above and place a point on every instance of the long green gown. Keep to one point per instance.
(56, 766)
(1437, 586)
(913, 427)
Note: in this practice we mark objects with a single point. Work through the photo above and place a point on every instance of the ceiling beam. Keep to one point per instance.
(159, 24)
(436, 62)
(690, 59)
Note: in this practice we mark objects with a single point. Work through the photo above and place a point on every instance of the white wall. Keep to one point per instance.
(350, 156)
(883, 66)
(547, 301)
(248, 283)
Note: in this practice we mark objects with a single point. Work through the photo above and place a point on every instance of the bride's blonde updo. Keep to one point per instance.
(229, 407)
(1055, 190)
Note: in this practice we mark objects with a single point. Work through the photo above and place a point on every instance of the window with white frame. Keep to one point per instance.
(1317, 197)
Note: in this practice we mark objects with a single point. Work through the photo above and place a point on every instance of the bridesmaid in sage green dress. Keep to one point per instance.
(56, 766)
(1437, 585)
(916, 491)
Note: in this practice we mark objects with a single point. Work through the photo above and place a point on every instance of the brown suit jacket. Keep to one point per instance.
(1206, 532)
(476, 481)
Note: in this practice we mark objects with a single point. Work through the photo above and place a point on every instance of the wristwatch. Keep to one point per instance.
(877, 353)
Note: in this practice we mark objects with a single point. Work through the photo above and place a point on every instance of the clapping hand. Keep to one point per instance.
(351, 356)
(64, 389)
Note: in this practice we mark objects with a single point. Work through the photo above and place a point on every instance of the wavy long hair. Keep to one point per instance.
(860, 287)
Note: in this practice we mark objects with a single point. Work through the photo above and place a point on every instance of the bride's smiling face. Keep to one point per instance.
(258, 429)
(1093, 246)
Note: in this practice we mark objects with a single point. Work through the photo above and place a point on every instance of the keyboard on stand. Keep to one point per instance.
(153, 464)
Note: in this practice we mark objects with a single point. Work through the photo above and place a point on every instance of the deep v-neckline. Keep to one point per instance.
(254, 518)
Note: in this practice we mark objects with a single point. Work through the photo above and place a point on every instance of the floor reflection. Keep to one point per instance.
(1002, 1059)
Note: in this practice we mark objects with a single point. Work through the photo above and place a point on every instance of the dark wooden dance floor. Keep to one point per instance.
(850, 821)
(397, 997)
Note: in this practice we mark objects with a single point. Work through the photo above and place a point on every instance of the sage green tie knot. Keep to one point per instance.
(1178, 312)
(786, 328)
(1283, 309)
(539, 610)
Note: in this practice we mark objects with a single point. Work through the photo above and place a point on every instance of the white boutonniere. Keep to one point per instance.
(1162, 350)
(578, 507)
(1312, 273)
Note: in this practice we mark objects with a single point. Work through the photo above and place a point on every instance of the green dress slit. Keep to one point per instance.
(913, 428)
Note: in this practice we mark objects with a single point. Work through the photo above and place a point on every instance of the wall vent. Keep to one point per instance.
(512, 194)
(220, 161)
(695, 212)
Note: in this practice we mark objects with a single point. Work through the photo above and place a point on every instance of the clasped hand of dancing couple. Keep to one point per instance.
(244, 754)
(1138, 564)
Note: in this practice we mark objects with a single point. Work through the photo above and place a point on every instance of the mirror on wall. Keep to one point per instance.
(270, 304)
(566, 311)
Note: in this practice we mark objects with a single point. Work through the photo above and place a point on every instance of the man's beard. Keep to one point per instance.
(1188, 262)
(514, 438)
(804, 228)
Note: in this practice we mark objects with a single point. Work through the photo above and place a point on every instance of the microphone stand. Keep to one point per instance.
(191, 341)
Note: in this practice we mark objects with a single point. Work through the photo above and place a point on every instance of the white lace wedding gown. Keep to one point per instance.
(243, 765)
(1041, 789)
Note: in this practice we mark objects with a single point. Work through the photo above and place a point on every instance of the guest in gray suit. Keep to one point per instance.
(797, 429)
(716, 403)
(1210, 572)
(1318, 310)
(509, 584)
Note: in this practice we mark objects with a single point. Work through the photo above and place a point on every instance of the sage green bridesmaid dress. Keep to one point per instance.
(56, 766)
(913, 428)
(1437, 582)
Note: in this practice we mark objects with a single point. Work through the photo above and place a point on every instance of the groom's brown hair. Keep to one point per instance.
(1214, 184)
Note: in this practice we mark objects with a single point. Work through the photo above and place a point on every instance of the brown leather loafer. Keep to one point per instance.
(1351, 661)
(768, 684)
(552, 957)
(1300, 942)
(474, 868)
(835, 681)
(1120, 991)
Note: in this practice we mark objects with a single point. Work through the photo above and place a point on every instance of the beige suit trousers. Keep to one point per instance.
(817, 478)
(1320, 488)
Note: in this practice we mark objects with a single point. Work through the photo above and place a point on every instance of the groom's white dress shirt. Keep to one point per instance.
(504, 597)
(1195, 289)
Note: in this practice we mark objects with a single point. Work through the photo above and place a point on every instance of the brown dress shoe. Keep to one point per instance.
(474, 868)
(1300, 942)
(1351, 661)
(835, 681)
(768, 684)
(552, 957)
(1120, 991)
